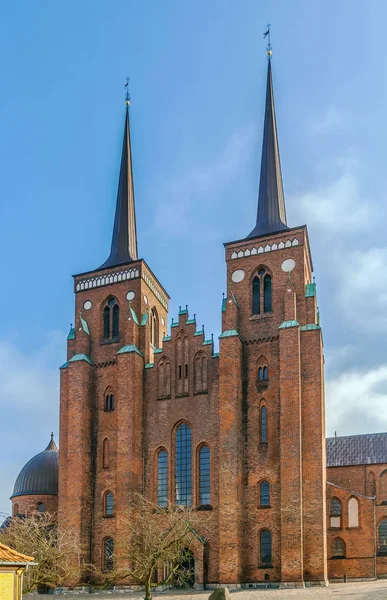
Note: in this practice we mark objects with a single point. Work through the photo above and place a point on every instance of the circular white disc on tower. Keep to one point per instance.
(238, 276)
(162, 321)
(87, 305)
(145, 299)
(288, 265)
(130, 295)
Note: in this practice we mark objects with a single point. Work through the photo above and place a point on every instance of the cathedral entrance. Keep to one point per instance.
(185, 576)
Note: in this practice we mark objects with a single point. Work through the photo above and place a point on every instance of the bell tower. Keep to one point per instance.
(272, 424)
(120, 319)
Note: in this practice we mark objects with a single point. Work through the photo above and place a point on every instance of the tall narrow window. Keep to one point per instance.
(183, 465)
(264, 494)
(267, 294)
(162, 478)
(265, 547)
(109, 402)
(111, 320)
(40, 507)
(204, 476)
(335, 512)
(108, 504)
(353, 513)
(15, 511)
(154, 328)
(105, 453)
(108, 555)
(382, 538)
(263, 425)
(256, 296)
(338, 548)
(383, 487)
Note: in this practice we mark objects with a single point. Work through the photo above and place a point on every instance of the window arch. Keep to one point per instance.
(183, 465)
(154, 328)
(111, 320)
(371, 487)
(204, 475)
(263, 424)
(335, 512)
(40, 507)
(383, 487)
(108, 504)
(105, 453)
(164, 378)
(265, 547)
(200, 372)
(262, 292)
(338, 548)
(353, 512)
(264, 493)
(108, 554)
(162, 478)
(15, 509)
(382, 538)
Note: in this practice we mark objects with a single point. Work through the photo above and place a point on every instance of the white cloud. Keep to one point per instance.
(29, 404)
(330, 122)
(356, 402)
(199, 183)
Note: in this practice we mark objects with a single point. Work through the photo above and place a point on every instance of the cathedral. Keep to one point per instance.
(241, 432)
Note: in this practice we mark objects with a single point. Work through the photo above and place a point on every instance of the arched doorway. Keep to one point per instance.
(185, 575)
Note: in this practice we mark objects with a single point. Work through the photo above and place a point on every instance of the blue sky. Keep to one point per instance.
(197, 74)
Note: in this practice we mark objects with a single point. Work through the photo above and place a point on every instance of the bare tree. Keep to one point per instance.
(159, 545)
(55, 552)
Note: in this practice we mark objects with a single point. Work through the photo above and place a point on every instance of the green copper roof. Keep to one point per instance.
(149, 365)
(184, 310)
(157, 350)
(310, 290)
(215, 355)
(309, 327)
(85, 326)
(144, 319)
(71, 335)
(173, 324)
(207, 342)
(287, 324)
(190, 322)
(166, 338)
(229, 333)
(128, 349)
(66, 364)
(134, 316)
(78, 357)
(199, 332)
(224, 304)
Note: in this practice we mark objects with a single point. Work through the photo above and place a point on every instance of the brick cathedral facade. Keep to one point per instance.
(239, 432)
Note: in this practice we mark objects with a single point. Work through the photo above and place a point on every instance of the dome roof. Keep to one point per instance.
(40, 474)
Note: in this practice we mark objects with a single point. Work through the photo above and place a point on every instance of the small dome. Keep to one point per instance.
(40, 475)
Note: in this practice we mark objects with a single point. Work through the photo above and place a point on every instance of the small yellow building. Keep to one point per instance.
(12, 567)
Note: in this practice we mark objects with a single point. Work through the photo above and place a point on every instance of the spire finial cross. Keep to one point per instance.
(127, 95)
(268, 47)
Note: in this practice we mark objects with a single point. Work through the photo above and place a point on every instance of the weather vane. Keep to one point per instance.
(268, 47)
(127, 95)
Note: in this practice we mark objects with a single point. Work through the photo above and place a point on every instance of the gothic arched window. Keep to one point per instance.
(109, 402)
(40, 507)
(105, 453)
(111, 320)
(263, 425)
(154, 325)
(383, 487)
(183, 465)
(265, 547)
(382, 538)
(262, 292)
(162, 478)
(204, 476)
(335, 512)
(108, 508)
(108, 554)
(164, 378)
(264, 494)
(15, 509)
(200, 372)
(182, 364)
(338, 548)
(353, 513)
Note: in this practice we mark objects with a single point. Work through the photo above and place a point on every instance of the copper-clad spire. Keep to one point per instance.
(124, 239)
(271, 216)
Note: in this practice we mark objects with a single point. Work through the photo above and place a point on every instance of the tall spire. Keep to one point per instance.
(271, 215)
(124, 239)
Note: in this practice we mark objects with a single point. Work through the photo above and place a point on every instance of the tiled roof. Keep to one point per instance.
(12, 557)
(367, 449)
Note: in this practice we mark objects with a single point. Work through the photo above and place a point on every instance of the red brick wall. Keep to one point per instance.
(28, 504)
